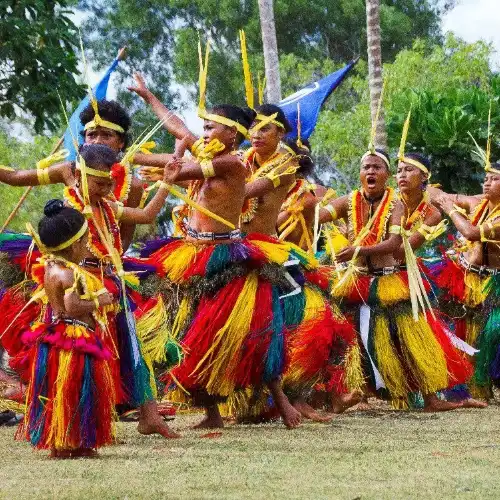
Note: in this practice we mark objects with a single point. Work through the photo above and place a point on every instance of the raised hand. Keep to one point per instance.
(140, 87)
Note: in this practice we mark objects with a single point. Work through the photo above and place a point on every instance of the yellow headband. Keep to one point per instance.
(93, 171)
(62, 246)
(379, 155)
(202, 113)
(415, 163)
(265, 120)
(492, 170)
(99, 122)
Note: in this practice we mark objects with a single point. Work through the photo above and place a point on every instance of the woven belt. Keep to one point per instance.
(480, 270)
(385, 271)
(71, 321)
(209, 236)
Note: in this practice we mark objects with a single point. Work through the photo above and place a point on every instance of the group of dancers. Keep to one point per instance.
(272, 290)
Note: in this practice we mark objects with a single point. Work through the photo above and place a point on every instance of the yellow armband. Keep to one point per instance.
(331, 211)
(197, 147)
(42, 176)
(164, 185)
(207, 168)
(395, 229)
(459, 210)
(119, 211)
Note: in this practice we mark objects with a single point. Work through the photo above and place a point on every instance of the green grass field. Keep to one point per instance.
(377, 454)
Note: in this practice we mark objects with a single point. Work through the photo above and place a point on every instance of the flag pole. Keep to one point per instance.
(122, 54)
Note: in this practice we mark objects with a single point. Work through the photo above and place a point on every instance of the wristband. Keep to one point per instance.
(164, 185)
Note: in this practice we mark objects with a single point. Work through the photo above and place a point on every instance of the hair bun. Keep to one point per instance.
(53, 207)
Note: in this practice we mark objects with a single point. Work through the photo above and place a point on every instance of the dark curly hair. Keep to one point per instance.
(111, 111)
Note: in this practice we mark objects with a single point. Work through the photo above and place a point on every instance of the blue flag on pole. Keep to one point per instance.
(311, 98)
(75, 127)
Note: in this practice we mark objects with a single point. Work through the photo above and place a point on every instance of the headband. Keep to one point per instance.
(99, 122)
(374, 152)
(93, 171)
(223, 120)
(63, 245)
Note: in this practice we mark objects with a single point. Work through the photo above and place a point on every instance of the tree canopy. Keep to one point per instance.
(449, 89)
(37, 59)
(163, 34)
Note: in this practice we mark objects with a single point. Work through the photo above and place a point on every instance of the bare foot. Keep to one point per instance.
(310, 413)
(290, 416)
(157, 426)
(364, 406)
(84, 453)
(341, 403)
(60, 454)
(210, 422)
(474, 403)
(434, 405)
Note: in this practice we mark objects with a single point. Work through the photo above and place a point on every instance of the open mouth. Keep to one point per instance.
(371, 181)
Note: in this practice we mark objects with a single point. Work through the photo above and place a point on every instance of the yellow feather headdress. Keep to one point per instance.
(371, 145)
(402, 145)
(485, 156)
(202, 111)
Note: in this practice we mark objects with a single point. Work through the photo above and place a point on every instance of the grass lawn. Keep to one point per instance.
(377, 454)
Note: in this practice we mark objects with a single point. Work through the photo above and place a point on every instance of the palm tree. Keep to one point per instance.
(271, 60)
(375, 68)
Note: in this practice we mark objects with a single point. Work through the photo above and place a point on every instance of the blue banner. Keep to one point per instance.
(75, 127)
(311, 98)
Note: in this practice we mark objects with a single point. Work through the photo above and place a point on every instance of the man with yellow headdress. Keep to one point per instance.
(403, 347)
(470, 276)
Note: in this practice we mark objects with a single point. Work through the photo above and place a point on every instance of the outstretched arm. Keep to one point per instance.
(461, 200)
(148, 214)
(60, 173)
(171, 122)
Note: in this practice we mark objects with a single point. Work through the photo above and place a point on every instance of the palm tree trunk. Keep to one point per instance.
(375, 68)
(271, 60)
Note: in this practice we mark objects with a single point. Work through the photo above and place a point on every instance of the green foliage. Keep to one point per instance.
(37, 56)
(163, 34)
(17, 154)
(449, 89)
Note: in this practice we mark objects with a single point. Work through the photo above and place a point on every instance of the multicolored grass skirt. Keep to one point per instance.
(244, 311)
(472, 301)
(71, 394)
(400, 355)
